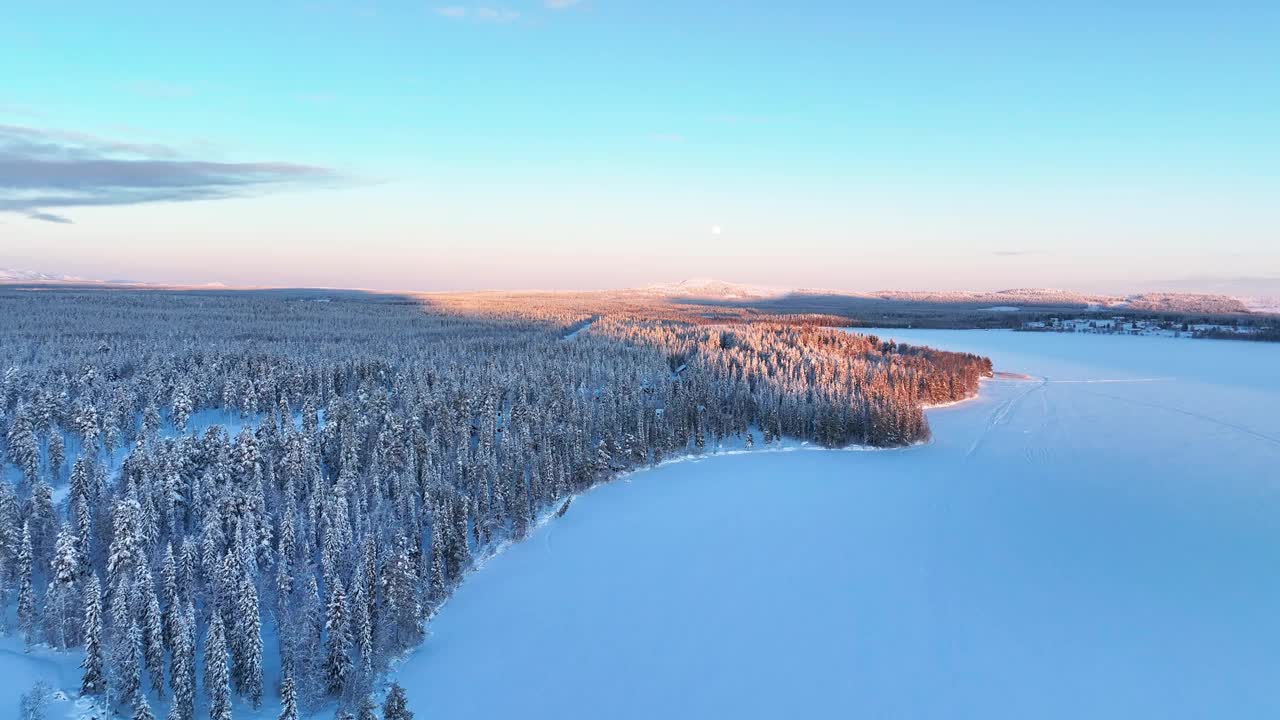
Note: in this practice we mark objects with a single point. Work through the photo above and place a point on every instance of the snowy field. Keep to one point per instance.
(1101, 540)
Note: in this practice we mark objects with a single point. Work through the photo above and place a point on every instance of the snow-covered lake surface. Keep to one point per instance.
(1101, 541)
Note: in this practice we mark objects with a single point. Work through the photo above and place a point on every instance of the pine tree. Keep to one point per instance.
(86, 423)
(216, 679)
(403, 613)
(248, 644)
(150, 420)
(288, 699)
(438, 583)
(126, 543)
(44, 524)
(57, 455)
(362, 628)
(129, 665)
(182, 678)
(63, 607)
(337, 664)
(81, 500)
(120, 649)
(24, 449)
(152, 628)
(141, 708)
(28, 620)
(169, 590)
(182, 407)
(396, 706)
(94, 681)
(10, 537)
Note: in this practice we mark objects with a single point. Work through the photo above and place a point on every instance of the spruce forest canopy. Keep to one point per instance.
(329, 465)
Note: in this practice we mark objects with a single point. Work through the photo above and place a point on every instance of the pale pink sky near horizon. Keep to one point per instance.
(405, 237)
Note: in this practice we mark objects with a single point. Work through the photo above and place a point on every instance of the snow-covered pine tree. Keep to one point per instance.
(120, 650)
(142, 708)
(126, 543)
(23, 448)
(307, 632)
(94, 681)
(10, 541)
(370, 580)
(44, 525)
(128, 668)
(403, 617)
(337, 663)
(150, 420)
(438, 581)
(288, 699)
(81, 500)
(396, 706)
(57, 456)
(217, 683)
(169, 592)
(87, 426)
(181, 407)
(188, 569)
(362, 630)
(63, 607)
(152, 625)
(28, 617)
(248, 643)
(182, 677)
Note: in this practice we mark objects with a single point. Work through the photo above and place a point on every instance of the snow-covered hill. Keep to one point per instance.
(16, 275)
(702, 288)
(710, 288)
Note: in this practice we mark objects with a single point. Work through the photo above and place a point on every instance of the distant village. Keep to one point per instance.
(1122, 325)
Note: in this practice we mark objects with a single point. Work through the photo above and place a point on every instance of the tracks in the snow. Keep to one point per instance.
(1002, 412)
(1189, 413)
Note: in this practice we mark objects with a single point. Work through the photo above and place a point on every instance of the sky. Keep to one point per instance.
(401, 145)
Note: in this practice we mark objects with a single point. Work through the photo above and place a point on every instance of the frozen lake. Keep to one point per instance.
(1102, 540)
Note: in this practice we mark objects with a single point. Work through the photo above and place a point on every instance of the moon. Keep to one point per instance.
(715, 230)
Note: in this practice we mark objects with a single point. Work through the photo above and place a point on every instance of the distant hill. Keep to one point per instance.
(1188, 303)
(13, 275)
(818, 300)
(712, 291)
(710, 288)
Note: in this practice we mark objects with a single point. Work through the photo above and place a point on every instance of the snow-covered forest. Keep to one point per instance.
(212, 498)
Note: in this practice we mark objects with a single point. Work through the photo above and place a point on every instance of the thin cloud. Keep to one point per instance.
(44, 171)
(498, 15)
(482, 13)
(561, 4)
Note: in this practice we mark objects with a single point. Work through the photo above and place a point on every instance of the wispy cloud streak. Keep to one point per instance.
(482, 13)
(43, 171)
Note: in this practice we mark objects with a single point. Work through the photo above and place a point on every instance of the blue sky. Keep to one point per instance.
(411, 145)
